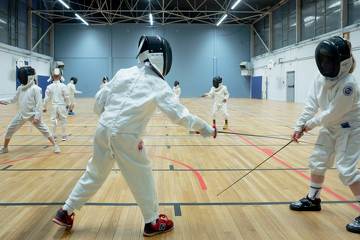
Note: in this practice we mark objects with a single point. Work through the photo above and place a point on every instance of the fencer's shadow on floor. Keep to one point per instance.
(91, 233)
(63, 233)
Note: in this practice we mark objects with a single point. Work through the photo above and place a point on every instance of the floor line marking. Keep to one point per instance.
(300, 173)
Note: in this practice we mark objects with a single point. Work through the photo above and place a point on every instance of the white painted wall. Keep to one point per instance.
(298, 58)
(8, 57)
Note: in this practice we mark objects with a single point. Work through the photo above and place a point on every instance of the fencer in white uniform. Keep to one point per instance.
(177, 91)
(72, 91)
(125, 106)
(29, 100)
(50, 79)
(57, 93)
(104, 81)
(332, 103)
(221, 95)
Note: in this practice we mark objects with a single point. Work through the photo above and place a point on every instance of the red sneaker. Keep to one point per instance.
(62, 218)
(163, 225)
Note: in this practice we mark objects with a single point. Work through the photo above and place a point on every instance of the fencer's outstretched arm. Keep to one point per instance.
(13, 99)
(100, 99)
(342, 104)
(73, 89)
(178, 113)
(310, 109)
(39, 104)
(211, 93)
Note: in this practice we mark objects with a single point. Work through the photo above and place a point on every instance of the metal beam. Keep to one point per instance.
(344, 13)
(279, 4)
(42, 37)
(134, 10)
(270, 31)
(261, 40)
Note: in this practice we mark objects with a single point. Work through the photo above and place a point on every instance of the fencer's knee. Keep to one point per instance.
(8, 134)
(349, 176)
(96, 177)
(318, 167)
(47, 134)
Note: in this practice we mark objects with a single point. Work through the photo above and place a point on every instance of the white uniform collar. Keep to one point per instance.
(29, 83)
(219, 88)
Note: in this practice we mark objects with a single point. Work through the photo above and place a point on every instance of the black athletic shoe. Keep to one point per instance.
(306, 204)
(354, 227)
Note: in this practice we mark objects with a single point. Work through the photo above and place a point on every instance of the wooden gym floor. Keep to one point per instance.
(189, 171)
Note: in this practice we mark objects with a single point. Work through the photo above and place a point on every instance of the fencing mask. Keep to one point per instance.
(157, 51)
(333, 58)
(217, 81)
(26, 74)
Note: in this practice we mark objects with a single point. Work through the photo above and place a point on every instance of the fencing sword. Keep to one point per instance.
(256, 135)
(257, 166)
(262, 136)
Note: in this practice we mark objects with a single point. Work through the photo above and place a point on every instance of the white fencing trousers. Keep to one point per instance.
(58, 112)
(134, 166)
(72, 99)
(341, 145)
(220, 108)
(177, 98)
(17, 122)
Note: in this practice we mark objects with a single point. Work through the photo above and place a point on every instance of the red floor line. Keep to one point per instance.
(298, 172)
(196, 173)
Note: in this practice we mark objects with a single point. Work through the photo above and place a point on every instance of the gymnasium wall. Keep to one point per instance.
(298, 58)
(199, 53)
(8, 57)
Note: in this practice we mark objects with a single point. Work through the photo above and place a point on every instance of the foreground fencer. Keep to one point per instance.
(221, 95)
(125, 106)
(72, 91)
(177, 91)
(57, 93)
(336, 94)
(29, 100)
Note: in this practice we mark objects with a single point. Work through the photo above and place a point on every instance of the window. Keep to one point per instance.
(284, 25)
(262, 28)
(307, 19)
(22, 24)
(319, 17)
(353, 11)
(333, 15)
(4, 22)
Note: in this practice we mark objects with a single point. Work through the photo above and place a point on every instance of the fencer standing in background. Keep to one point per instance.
(57, 93)
(72, 91)
(104, 81)
(29, 100)
(220, 94)
(177, 91)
